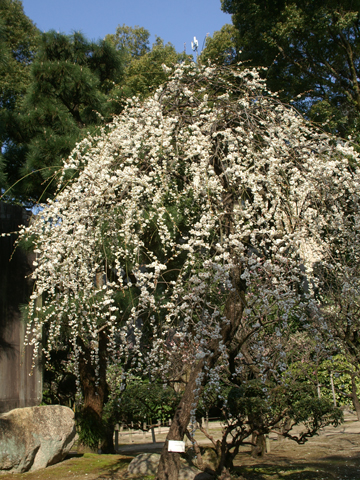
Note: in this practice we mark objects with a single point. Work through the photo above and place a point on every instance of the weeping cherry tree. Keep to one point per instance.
(195, 224)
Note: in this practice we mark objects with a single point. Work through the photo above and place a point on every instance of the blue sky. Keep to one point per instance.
(174, 21)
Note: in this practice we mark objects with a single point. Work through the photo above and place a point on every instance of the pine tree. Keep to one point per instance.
(69, 95)
(18, 45)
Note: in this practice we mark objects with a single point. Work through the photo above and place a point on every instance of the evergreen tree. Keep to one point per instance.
(311, 48)
(18, 45)
(70, 94)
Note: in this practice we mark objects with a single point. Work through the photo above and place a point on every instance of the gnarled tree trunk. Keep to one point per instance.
(94, 388)
(169, 465)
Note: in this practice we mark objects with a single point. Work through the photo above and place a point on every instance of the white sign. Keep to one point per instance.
(176, 446)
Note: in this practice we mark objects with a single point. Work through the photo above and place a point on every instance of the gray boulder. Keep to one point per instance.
(35, 437)
(144, 464)
(208, 455)
(147, 464)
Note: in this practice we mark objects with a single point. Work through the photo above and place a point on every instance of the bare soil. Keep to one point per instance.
(325, 457)
(333, 454)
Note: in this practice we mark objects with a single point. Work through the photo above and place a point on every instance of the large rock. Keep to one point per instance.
(147, 464)
(208, 455)
(35, 437)
(144, 464)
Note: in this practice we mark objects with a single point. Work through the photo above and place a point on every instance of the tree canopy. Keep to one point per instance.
(222, 47)
(18, 45)
(69, 94)
(134, 41)
(144, 74)
(311, 49)
(190, 237)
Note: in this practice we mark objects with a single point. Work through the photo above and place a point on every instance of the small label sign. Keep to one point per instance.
(176, 446)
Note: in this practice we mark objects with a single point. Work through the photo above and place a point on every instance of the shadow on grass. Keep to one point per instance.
(335, 467)
(79, 467)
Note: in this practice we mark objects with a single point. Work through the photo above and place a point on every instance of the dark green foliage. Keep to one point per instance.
(91, 429)
(144, 71)
(69, 96)
(311, 48)
(143, 402)
(283, 406)
(253, 409)
(59, 384)
(18, 44)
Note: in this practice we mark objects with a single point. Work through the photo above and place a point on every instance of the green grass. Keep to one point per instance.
(78, 466)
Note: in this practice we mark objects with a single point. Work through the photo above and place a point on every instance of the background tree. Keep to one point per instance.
(201, 210)
(69, 95)
(145, 73)
(339, 300)
(141, 404)
(134, 41)
(311, 49)
(222, 48)
(18, 45)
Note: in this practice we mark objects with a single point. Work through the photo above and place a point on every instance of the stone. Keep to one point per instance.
(144, 464)
(192, 473)
(208, 455)
(147, 464)
(32, 438)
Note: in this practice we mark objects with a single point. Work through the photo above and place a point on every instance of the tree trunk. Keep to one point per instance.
(259, 449)
(354, 397)
(94, 390)
(169, 465)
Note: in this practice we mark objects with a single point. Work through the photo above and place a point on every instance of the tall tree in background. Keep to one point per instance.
(144, 65)
(18, 44)
(70, 94)
(221, 48)
(146, 73)
(311, 48)
(134, 41)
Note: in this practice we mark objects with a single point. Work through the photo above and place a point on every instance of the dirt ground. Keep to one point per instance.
(334, 454)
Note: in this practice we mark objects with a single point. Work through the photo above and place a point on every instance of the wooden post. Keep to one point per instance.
(318, 390)
(116, 437)
(333, 388)
(153, 434)
(267, 443)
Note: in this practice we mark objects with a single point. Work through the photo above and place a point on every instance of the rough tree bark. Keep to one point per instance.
(94, 388)
(169, 465)
(354, 396)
